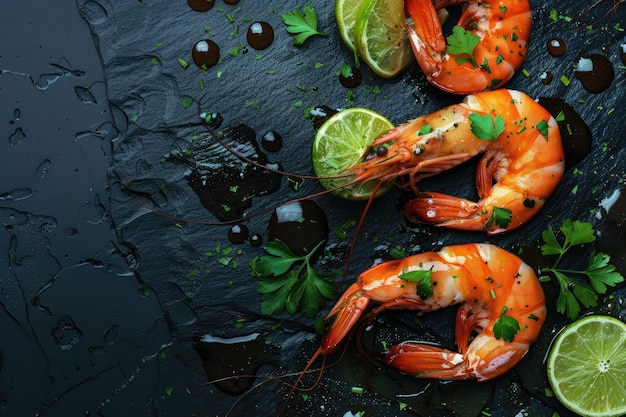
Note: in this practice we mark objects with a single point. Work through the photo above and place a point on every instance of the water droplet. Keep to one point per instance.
(17, 137)
(71, 232)
(66, 335)
(43, 168)
(17, 113)
(85, 95)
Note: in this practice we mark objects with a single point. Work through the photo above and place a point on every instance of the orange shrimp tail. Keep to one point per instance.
(425, 34)
(346, 312)
(426, 361)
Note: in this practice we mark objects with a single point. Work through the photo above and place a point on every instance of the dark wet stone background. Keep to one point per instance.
(101, 297)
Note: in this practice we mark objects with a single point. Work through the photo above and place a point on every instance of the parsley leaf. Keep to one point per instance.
(462, 42)
(486, 127)
(505, 327)
(289, 282)
(424, 279)
(501, 216)
(302, 25)
(599, 272)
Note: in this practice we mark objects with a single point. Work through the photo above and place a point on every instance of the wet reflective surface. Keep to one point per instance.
(109, 308)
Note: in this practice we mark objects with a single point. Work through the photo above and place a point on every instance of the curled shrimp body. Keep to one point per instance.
(522, 164)
(499, 30)
(494, 288)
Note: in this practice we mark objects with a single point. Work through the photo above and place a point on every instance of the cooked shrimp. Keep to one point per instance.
(522, 164)
(485, 49)
(500, 296)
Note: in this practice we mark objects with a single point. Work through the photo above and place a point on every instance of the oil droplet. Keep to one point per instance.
(201, 5)
(320, 114)
(353, 79)
(556, 46)
(272, 141)
(546, 77)
(205, 53)
(224, 357)
(575, 133)
(17, 137)
(238, 234)
(595, 72)
(613, 231)
(256, 240)
(260, 35)
(302, 226)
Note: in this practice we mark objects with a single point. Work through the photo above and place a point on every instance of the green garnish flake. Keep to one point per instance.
(169, 391)
(424, 279)
(302, 25)
(501, 216)
(462, 42)
(486, 127)
(424, 130)
(345, 71)
(554, 15)
(289, 282)
(542, 127)
(187, 102)
(357, 390)
(599, 272)
(183, 63)
(560, 117)
(505, 327)
(565, 80)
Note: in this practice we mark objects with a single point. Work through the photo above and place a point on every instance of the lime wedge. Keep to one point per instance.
(587, 367)
(346, 13)
(381, 37)
(340, 143)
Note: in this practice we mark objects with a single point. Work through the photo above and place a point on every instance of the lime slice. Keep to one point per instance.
(381, 37)
(587, 367)
(340, 143)
(346, 13)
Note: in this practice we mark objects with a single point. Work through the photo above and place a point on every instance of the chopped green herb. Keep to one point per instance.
(183, 63)
(560, 117)
(424, 279)
(187, 102)
(599, 272)
(542, 126)
(424, 130)
(462, 42)
(505, 327)
(501, 216)
(565, 80)
(302, 25)
(486, 126)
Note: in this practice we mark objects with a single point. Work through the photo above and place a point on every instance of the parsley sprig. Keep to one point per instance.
(599, 272)
(462, 42)
(424, 279)
(302, 25)
(505, 327)
(486, 126)
(289, 282)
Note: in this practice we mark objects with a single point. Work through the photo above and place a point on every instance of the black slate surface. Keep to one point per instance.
(102, 297)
